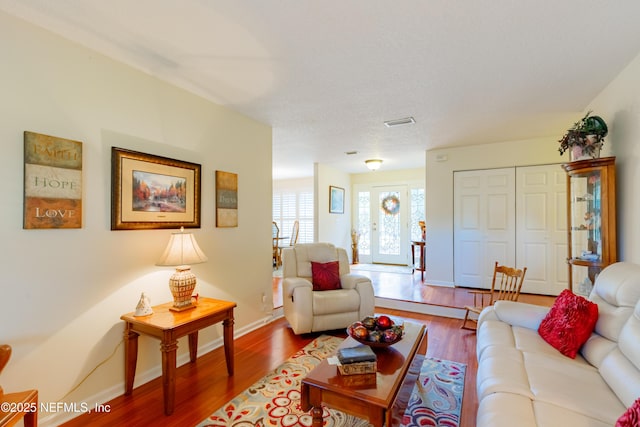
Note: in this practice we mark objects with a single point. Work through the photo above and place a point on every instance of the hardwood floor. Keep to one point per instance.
(203, 387)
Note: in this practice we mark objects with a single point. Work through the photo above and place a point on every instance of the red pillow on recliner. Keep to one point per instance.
(325, 276)
(569, 323)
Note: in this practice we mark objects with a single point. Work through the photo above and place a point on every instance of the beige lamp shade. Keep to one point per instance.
(182, 251)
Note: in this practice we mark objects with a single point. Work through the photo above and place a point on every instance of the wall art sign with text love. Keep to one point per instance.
(52, 182)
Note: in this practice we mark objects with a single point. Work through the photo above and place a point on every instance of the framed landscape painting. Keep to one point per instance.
(149, 191)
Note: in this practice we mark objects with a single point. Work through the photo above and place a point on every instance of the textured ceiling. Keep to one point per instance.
(327, 74)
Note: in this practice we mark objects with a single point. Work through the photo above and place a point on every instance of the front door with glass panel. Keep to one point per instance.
(389, 231)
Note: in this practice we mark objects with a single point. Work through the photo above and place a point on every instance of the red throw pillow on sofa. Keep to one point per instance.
(569, 323)
(631, 417)
(325, 276)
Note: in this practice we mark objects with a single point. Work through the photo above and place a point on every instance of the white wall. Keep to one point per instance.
(619, 106)
(63, 291)
(305, 183)
(332, 227)
(382, 177)
(440, 166)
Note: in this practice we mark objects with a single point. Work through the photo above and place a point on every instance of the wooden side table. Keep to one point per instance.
(168, 326)
(420, 244)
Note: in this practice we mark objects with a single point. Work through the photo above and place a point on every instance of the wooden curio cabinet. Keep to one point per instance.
(591, 220)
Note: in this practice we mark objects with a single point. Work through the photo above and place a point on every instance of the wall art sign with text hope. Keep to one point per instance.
(52, 182)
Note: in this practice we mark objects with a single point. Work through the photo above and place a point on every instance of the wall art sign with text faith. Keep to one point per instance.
(52, 182)
(226, 199)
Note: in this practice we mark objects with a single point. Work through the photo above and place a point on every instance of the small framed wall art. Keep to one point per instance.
(336, 199)
(149, 191)
(52, 182)
(226, 199)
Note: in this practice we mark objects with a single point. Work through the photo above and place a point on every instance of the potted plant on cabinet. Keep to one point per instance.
(585, 138)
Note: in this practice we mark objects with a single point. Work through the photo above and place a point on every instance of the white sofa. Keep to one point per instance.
(311, 311)
(523, 381)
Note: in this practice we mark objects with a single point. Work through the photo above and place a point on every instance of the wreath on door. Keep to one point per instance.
(391, 205)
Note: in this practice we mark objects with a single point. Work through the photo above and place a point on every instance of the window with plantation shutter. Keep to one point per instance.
(294, 203)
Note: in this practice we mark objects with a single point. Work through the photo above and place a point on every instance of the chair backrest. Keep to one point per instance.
(275, 233)
(294, 233)
(297, 260)
(507, 283)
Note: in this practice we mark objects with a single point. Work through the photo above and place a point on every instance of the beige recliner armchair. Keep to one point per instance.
(307, 310)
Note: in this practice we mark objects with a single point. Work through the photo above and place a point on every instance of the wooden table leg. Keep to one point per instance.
(376, 416)
(169, 349)
(193, 346)
(413, 258)
(422, 262)
(31, 417)
(316, 413)
(311, 399)
(130, 358)
(228, 343)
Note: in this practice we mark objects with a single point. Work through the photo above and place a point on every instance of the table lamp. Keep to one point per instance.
(182, 251)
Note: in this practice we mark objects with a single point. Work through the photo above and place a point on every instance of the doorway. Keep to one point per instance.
(389, 229)
(383, 218)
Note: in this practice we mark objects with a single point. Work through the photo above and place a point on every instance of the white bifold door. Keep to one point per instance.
(516, 216)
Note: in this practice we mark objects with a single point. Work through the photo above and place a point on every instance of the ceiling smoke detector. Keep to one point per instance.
(399, 122)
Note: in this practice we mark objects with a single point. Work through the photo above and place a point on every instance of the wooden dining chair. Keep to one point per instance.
(24, 399)
(275, 239)
(295, 230)
(506, 286)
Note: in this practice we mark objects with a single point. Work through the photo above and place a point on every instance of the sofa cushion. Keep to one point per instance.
(530, 341)
(569, 323)
(338, 301)
(506, 410)
(550, 415)
(325, 276)
(631, 417)
(501, 369)
(576, 386)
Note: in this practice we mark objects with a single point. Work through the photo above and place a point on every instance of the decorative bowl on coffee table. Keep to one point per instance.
(376, 332)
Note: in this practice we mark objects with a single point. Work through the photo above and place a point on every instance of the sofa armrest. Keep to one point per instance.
(515, 314)
(291, 283)
(350, 281)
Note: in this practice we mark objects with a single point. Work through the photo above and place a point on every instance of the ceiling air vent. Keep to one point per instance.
(399, 122)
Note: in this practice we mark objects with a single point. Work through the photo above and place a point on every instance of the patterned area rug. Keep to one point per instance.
(274, 400)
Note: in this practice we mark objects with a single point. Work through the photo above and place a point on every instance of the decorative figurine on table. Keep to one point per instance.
(144, 306)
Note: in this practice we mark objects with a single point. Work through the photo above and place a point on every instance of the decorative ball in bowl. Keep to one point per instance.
(376, 331)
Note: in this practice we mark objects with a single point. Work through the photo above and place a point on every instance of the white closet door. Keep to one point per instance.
(484, 224)
(542, 228)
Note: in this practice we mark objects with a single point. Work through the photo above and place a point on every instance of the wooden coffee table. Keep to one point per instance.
(372, 396)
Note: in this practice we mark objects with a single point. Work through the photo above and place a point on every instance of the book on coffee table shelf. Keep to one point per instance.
(357, 360)
(358, 354)
(357, 368)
